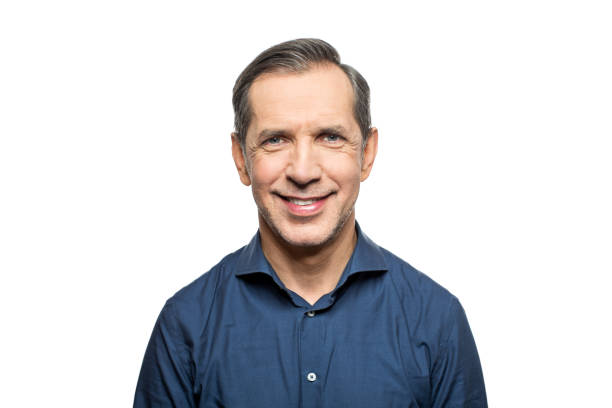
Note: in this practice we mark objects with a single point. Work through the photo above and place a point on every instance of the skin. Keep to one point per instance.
(303, 142)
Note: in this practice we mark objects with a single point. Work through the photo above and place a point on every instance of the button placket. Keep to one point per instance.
(311, 358)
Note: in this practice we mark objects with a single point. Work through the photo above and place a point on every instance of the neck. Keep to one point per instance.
(311, 271)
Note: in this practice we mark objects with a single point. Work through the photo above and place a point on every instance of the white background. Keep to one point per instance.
(117, 185)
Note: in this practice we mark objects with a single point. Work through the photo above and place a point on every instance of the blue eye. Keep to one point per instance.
(330, 137)
(273, 140)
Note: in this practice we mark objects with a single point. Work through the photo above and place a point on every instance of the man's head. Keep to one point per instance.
(303, 140)
(298, 56)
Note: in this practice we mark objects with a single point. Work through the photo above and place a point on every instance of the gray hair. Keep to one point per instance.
(298, 56)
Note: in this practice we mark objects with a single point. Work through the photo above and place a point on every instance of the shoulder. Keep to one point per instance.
(423, 300)
(191, 304)
(412, 282)
(438, 325)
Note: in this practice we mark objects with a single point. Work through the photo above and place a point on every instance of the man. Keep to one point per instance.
(311, 313)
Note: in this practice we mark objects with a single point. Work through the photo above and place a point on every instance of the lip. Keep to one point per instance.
(304, 210)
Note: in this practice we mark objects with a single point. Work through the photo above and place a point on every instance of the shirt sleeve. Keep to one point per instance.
(457, 379)
(165, 377)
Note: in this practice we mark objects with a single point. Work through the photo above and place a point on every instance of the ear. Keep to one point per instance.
(369, 154)
(240, 161)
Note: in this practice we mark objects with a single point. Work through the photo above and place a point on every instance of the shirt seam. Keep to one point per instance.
(399, 297)
(451, 323)
(188, 357)
(183, 350)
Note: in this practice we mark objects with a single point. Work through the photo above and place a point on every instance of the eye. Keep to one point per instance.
(273, 140)
(331, 137)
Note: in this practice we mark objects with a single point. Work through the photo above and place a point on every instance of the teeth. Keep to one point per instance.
(301, 202)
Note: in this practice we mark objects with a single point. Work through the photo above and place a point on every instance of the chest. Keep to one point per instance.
(360, 356)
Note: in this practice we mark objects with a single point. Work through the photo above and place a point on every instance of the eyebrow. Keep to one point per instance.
(268, 133)
(332, 129)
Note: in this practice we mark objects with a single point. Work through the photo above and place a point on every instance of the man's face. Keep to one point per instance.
(303, 154)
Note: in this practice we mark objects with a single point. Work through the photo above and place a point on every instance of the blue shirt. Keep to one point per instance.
(386, 336)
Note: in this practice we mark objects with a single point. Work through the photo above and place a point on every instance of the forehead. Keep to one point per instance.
(318, 96)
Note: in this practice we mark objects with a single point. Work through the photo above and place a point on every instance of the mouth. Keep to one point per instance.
(304, 206)
(303, 200)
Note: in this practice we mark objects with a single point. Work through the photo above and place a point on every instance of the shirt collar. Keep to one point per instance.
(366, 257)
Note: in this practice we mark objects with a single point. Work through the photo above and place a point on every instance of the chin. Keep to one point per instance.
(309, 234)
(295, 239)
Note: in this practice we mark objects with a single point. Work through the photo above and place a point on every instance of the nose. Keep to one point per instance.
(304, 167)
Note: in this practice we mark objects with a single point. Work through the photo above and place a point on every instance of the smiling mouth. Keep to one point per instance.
(303, 201)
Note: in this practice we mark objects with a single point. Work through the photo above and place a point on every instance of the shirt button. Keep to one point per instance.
(310, 313)
(311, 377)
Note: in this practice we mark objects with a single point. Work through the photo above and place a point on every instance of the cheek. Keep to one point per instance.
(345, 170)
(267, 169)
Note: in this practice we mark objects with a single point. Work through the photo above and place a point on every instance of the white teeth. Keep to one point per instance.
(301, 202)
